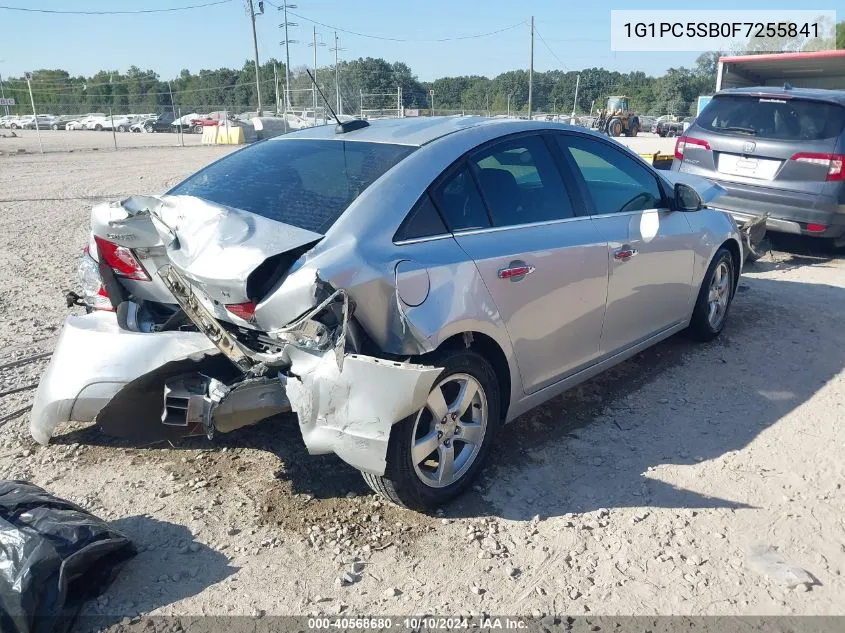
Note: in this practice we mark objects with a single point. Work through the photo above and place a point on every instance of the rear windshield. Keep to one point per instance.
(305, 183)
(772, 117)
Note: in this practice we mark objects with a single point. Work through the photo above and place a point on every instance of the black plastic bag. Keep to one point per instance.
(53, 557)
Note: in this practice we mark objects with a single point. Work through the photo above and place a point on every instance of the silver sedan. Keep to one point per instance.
(408, 286)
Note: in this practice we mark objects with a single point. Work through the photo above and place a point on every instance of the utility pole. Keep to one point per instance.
(255, 48)
(276, 83)
(285, 6)
(575, 103)
(3, 94)
(337, 72)
(314, 83)
(431, 94)
(34, 113)
(531, 72)
(487, 102)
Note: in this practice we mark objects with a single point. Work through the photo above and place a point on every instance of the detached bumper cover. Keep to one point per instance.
(93, 360)
(350, 412)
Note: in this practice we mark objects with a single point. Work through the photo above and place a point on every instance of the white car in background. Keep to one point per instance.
(93, 121)
(120, 123)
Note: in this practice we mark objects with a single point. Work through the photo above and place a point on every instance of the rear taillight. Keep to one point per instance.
(683, 141)
(93, 292)
(835, 163)
(244, 311)
(816, 228)
(121, 260)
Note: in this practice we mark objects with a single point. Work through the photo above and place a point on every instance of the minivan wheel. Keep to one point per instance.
(714, 297)
(434, 454)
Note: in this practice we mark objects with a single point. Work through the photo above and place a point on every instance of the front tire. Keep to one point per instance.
(614, 128)
(436, 453)
(714, 297)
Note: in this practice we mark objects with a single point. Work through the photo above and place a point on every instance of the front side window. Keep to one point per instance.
(307, 183)
(616, 182)
(521, 183)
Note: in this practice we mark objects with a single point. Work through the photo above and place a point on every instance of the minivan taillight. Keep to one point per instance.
(683, 141)
(121, 260)
(835, 163)
(245, 311)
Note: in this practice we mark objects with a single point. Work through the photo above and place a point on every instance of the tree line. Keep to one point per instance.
(368, 83)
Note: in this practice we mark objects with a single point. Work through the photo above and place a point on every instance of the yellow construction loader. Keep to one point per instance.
(616, 119)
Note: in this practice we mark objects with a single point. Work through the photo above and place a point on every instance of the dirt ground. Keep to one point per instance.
(642, 492)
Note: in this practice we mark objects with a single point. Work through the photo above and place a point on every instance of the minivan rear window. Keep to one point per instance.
(307, 183)
(789, 119)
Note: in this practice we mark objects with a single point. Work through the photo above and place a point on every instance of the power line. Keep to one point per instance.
(398, 39)
(167, 10)
(550, 49)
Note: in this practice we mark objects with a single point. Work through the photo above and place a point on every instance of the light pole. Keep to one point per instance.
(431, 94)
(28, 77)
(337, 72)
(315, 44)
(287, 42)
(252, 15)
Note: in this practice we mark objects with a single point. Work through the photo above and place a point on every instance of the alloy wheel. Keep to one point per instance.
(449, 431)
(719, 295)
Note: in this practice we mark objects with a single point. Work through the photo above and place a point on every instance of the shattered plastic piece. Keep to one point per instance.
(53, 557)
(350, 412)
(769, 562)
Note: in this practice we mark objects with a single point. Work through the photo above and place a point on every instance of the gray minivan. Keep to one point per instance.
(779, 151)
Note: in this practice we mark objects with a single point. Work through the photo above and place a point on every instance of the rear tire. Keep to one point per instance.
(714, 298)
(416, 485)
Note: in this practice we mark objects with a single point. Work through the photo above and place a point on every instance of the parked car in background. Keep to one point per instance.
(120, 123)
(92, 121)
(778, 152)
(164, 122)
(61, 122)
(43, 122)
(507, 261)
(76, 124)
(647, 123)
(668, 126)
(7, 119)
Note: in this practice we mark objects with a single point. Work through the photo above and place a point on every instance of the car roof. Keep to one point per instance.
(419, 131)
(816, 94)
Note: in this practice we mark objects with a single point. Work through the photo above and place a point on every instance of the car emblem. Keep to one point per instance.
(748, 147)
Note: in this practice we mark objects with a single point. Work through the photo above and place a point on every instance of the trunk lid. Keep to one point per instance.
(217, 247)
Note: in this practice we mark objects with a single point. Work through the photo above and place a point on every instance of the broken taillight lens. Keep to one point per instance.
(121, 260)
(243, 311)
(682, 142)
(92, 290)
(835, 163)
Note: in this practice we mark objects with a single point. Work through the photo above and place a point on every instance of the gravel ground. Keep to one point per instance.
(641, 492)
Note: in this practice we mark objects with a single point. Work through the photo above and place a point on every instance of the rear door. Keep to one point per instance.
(544, 265)
(650, 247)
(776, 141)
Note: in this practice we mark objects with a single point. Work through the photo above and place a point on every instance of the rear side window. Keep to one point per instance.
(460, 203)
(306, 183)
(773, 118)
(422, 221)
(521, 183)
(616, 182)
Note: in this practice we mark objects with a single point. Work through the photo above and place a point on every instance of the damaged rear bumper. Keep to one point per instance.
(93, 360)
(347, 403)
(350, 411)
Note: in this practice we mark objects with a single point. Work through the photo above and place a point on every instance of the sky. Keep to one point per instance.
(571, 35)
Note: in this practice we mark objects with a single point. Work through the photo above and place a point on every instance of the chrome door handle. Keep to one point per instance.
(516, 271)
(625, 253)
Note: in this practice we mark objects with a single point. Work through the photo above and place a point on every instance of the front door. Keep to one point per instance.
(545, 267)
(650, 250)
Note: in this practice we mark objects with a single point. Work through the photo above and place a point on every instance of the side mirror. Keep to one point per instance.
(687, 198)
